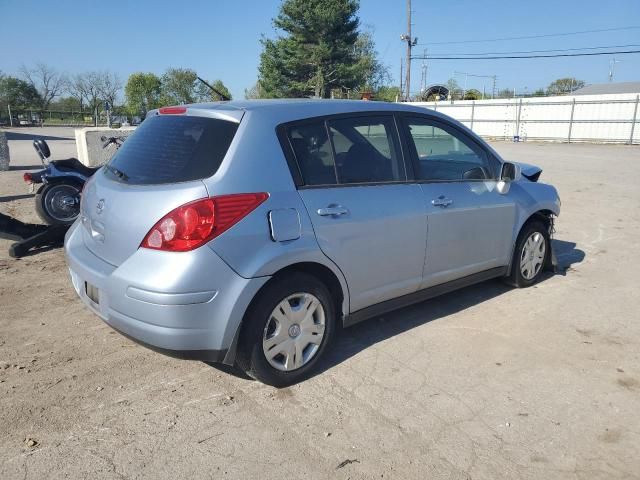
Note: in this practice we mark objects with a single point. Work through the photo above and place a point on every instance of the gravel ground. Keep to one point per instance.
(488, 382)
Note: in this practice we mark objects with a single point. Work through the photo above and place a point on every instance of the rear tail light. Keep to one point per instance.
(195, 223)
(27, 177)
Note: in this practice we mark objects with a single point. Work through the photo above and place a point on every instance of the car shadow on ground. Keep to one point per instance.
(353, 340)
(13, 135)
(566, 255)
(26, 167)
(11, 198)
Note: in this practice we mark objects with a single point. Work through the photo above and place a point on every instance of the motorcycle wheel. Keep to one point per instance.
(58, 203)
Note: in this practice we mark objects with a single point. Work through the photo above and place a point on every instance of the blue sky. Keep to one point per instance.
(220, 38)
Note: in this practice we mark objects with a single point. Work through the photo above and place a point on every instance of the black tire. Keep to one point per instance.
(251, 357)
(49, 208)
(516, 278)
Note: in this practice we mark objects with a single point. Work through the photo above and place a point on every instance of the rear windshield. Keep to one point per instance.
(168, 149)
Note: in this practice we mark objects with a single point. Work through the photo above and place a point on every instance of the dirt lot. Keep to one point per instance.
(488, 382)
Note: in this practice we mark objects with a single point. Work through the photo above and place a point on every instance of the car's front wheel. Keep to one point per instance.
(530, 256)
(287, 330)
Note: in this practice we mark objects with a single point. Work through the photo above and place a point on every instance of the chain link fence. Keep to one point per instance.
(17, 116)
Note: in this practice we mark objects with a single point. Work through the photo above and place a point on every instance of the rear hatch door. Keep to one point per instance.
(158, 168)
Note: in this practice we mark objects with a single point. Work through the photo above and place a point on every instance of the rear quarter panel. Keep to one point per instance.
(256, 163)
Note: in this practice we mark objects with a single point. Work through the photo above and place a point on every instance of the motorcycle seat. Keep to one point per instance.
(75, 165)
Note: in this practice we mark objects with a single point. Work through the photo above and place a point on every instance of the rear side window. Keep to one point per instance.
(365, 150)
(313, 153)
(347, 151)
(169, 149)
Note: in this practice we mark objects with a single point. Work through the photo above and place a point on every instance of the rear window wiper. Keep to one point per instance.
(118, 173)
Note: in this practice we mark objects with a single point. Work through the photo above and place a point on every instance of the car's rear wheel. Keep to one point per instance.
(287, 330)
(530, 256)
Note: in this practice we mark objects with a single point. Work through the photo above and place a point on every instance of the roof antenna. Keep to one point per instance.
(221, 95)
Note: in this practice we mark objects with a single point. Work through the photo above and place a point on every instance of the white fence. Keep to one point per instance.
(579, 118)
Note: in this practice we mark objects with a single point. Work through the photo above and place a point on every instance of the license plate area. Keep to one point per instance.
(92, 292)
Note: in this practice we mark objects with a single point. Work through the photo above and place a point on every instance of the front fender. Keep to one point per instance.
(531, 198)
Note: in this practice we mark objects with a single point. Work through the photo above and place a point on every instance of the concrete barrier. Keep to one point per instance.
(4, 152)
(89, 142)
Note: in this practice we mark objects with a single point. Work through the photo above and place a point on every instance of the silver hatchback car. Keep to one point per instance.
(247, 232)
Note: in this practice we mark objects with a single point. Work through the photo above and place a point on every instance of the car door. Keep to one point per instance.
(367, 219)
(469, 223)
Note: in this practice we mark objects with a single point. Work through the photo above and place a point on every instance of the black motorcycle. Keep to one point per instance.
(58, 198)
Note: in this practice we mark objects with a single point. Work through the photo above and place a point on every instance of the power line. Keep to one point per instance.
(633, 27)
(540, 51)
(527, 56)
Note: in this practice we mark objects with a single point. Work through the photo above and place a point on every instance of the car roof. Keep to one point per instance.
(305, 108)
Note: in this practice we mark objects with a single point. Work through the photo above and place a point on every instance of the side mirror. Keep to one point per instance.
(510, 172)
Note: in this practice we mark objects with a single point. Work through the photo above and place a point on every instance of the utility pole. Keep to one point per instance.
(401, 96)
(612, 66)
(408, 81)
(411, 42)
(493, 93)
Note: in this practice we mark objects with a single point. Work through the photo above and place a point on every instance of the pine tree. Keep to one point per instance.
(318, 53)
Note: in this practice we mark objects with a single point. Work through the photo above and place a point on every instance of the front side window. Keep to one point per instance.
(445, 155)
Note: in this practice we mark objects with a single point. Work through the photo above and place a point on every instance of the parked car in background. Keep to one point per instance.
(247, 232)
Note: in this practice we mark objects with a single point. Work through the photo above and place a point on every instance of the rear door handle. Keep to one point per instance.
(332, 211)
(441, 201)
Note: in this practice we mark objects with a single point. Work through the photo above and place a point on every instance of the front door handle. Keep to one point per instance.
(332, 211)
(441, 201)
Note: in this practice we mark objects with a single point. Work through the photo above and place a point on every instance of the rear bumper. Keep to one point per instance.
(215, 356)
(187, 305)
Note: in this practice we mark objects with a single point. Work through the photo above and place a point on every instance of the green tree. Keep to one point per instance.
(212, 96)
(472, 94)
(321, 51)
(18, 93)
(180, 85)
(539, 93)
(254, 92)
(142, 93)
(387, 94)
(370, 72)
(563, 86)
(65, 104)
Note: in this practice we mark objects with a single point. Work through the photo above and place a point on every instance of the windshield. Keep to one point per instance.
(169, 149)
